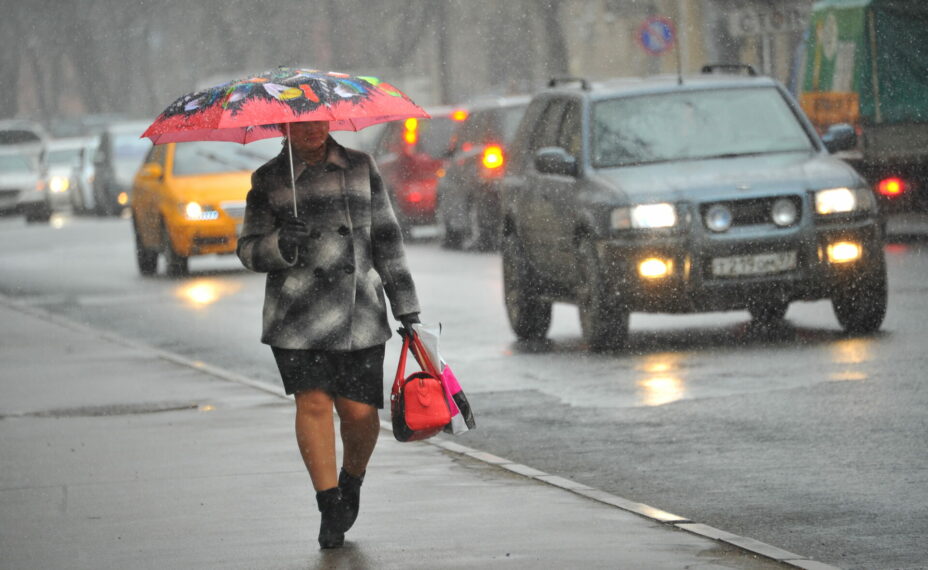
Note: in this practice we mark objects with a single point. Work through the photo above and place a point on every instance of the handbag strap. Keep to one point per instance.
(422, 357)
(401, 368)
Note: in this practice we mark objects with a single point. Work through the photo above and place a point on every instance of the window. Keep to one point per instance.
(691, 125)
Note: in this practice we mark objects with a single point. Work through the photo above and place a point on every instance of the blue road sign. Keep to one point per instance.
(656, 35)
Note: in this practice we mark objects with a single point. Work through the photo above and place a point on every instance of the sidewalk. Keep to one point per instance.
(115, 456)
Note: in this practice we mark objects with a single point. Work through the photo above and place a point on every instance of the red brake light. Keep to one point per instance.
(493, 156)
(459, 115)
(891, 186)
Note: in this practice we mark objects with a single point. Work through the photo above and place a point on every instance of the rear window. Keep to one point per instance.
(435, 136)
(691, 125)
(192, 158)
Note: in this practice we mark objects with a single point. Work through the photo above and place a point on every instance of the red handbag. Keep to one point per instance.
(417, 402)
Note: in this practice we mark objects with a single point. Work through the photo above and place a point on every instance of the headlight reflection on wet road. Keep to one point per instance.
(660, 382)
(201, 293)
(851, 352)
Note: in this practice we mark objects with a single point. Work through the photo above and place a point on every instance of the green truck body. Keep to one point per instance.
(866, 64)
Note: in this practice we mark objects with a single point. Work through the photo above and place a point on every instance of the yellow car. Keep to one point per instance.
(189, 199)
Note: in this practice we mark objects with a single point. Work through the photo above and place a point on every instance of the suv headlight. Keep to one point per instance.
(843, 200)
(644, 216)
(196, 211)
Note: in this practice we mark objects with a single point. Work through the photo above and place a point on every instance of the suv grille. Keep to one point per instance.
(754, 211)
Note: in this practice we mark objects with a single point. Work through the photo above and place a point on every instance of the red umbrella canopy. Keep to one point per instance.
(250, 109)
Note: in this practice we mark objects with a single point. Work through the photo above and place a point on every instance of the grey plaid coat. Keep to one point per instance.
(331, 296)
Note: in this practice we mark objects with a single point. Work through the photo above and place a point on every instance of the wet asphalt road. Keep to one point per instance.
(801, 437)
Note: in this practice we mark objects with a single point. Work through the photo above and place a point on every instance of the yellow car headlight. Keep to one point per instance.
(197, 211)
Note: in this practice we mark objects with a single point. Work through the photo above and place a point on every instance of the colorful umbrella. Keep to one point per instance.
(263, 106)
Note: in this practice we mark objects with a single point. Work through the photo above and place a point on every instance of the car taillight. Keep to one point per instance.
(891, 186)
(411, 132)
(492, 157)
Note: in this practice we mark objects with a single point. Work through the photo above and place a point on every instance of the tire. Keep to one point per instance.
(451, 238)
(769, 312)
(529, 314)
(860, 305)
(146, 259)
(481, 233)
(39, 214)
(603, 318)
(175, 265)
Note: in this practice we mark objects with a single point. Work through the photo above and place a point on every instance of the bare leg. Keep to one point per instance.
(360, 428)
(315, 434)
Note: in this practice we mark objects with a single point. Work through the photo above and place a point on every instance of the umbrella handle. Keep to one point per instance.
(292, 176)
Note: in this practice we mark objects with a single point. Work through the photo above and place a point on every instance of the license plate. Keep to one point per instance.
(759, 264)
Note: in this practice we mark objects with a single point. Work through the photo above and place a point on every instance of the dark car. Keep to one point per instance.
(116, 160)
(710, 194)
(468, 194)
(411, 156)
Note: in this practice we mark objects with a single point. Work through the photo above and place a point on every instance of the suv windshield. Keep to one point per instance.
(212, 157)
(694, 125)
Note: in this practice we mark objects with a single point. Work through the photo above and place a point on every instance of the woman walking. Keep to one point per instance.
(324, 309)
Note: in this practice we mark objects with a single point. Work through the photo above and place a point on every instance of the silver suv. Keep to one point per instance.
(710, 194)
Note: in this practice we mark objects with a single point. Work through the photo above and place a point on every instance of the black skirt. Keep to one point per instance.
(356, 375)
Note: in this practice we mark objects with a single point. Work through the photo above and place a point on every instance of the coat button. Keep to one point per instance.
(349, 269)
(344, 230)
(318, 272)
(315, 233)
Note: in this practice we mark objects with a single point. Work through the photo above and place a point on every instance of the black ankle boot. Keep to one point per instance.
(334, 521)
(350, 487)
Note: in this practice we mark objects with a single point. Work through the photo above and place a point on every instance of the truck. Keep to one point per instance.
(864, 76)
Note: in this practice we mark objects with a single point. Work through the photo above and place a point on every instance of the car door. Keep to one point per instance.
(559, 195)
(535, 213)
(145, 196)
(554, 205)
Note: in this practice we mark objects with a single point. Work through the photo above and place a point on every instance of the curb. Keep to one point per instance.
(657, 515)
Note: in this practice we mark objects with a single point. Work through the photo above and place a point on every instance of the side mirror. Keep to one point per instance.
(840, 137)
(151, 171)
(555, 160)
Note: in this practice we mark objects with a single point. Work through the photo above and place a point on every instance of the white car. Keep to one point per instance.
(22, 190)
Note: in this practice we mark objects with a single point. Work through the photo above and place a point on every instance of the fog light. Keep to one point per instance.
(719, 218)
(843, 252)
(784, 212)
(654, 268)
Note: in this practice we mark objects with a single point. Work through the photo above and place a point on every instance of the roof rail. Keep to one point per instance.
(555, 81)
(729, 68)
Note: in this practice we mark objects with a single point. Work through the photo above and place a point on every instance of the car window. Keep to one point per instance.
(15, 163)
(128, 150)
(694, 125)
(435, 136)
(18, 136)
(548, 126)
(192, 158)
(570, 137)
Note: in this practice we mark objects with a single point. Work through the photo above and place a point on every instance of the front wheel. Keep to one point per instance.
(860, 305)
(175, 264)
(481, 232)
(146, 259)
(603, 318)
(529, 314)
